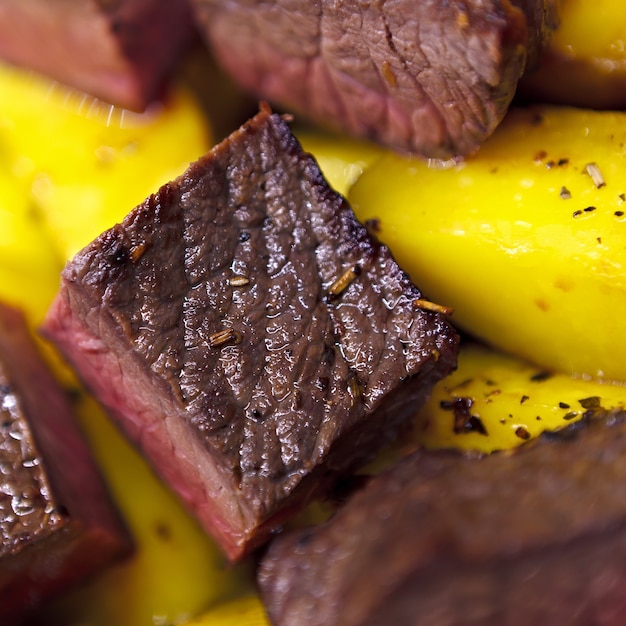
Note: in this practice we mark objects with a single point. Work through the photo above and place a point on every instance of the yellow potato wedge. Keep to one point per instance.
(87, 164)
(245, 611)
(526, 240)
(497, 402)
(341, 159)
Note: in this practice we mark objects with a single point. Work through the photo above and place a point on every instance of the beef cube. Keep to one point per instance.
(250, 336)
(58, 524)
(430, 77)
(532, 537)
(120, 51)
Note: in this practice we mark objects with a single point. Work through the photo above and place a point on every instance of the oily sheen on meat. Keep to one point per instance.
(533, 537)
(58, 524)
(248, 333)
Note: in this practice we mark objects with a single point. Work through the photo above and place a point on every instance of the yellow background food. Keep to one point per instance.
(519, 239)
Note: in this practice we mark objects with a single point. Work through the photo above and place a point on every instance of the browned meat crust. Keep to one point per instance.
(250, 335)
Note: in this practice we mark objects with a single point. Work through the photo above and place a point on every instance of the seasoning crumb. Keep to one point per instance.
(565, 193)
(564, 405)
(238, 281)
(589, 209)
(221, 337)
(592, 402)
(577, 213)
(570, 415)
(540, 156)
(372, 225)
(523, 399)
(562, 162)
(343, 281)
(355, 387)
(388, 74)
(595, 174)
(619, 213)
(522, 433)
(464, 421)
(427, 305)
(622, 197)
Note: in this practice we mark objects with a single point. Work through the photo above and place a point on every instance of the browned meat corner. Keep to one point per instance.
(58, 524)
(250, 336)
(535, 537)
(429, 77)
(120, 51)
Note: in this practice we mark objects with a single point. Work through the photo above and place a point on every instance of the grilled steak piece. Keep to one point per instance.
(534, 537)
(57, 522)
(120, 51)
(248, 333)
(429, 77)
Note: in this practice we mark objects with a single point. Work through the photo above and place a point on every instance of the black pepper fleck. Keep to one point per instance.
(593, 402)
(540, 377)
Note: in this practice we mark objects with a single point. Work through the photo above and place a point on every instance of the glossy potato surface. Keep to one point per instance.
(497, 402)
(526, 240)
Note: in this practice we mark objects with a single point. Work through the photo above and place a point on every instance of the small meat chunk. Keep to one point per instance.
(120, 51)
(58, 524)
(248, 333)
(532, 537)
(429, 77)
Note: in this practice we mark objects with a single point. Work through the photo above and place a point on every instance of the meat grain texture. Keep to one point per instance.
(537, 536)
(250, 336)
(58, 525)
(429, 77)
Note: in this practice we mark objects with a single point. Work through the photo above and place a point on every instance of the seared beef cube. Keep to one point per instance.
(120, 51)
(57, 522)
(532, 537)
(430, 77)
(250, 336)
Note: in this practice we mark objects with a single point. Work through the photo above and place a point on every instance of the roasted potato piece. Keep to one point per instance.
(86, 163)
(497, 402)
(245, 611)
(525, 240)
(585, 62)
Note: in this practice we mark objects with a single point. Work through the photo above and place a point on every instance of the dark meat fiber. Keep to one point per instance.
(212, 324)
(57, 522)
(537, 537)
(432, 77)
(120, 51)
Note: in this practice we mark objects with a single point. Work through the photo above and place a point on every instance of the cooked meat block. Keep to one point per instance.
(429, 77)
(57, 522)
(250, 336)
(120, 51)
(533, 537)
